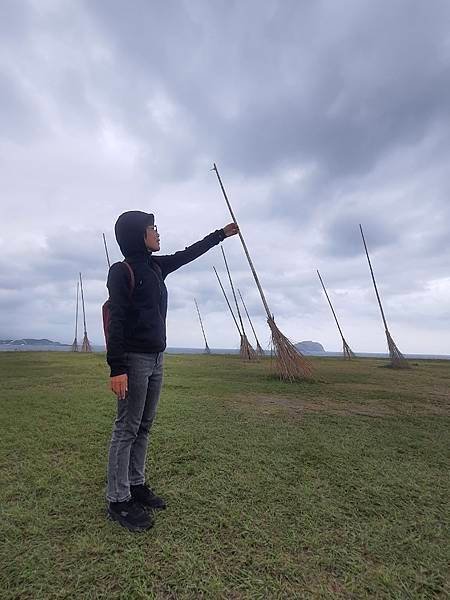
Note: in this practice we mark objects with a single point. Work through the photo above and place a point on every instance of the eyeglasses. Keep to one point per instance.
(153, 227)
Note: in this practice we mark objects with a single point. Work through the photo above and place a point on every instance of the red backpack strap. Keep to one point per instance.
(131, 277)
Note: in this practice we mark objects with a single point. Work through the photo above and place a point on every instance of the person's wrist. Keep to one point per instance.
(117, 374)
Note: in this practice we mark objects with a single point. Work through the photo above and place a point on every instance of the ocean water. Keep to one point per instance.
(33, 348)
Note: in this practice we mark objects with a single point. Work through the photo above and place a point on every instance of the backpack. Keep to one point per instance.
(105, 308)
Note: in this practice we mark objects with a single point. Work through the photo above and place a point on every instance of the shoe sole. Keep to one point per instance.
(148, 507)
(135, 528)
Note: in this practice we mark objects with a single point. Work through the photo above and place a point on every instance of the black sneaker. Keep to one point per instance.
(147, 497)
(130, 515)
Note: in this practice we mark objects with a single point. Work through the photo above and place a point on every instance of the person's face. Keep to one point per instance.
(151, 238)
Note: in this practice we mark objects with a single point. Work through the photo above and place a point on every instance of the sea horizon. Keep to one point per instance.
(183, 350)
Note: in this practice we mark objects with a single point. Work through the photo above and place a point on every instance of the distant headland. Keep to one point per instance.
(31, 342)
(309, 347)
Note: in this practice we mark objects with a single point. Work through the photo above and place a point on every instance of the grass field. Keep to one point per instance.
(335, 488)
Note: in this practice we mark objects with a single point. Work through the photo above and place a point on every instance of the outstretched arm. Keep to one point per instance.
(172, 262)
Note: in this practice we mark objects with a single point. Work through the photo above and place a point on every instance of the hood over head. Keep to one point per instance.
(130, 231)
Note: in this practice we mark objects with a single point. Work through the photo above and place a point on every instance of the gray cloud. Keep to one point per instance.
(291, 87)
(18, 120)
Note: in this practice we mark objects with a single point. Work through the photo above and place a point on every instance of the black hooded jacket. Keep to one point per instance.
(137, 321)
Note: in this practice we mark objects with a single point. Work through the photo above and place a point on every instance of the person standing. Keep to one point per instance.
(136, 337)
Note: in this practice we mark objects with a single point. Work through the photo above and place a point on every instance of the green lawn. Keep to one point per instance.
(335, 488)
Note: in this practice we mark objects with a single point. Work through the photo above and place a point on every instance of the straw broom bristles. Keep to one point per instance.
(348, 353)
(247, 352)
(398, 361)
(86, 346)
(290, 364)
(259, 350)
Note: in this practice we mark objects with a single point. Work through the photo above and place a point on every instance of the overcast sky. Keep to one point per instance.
(320, 115)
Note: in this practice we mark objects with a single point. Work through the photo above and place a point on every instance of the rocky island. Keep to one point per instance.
(309, 347)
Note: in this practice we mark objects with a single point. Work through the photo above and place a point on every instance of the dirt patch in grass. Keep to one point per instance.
(337, 406)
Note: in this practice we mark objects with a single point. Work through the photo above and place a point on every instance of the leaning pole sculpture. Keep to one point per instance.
(290, 364)
(259, 350)
(86, 345)
(228, 303)
(346, 348)
(398, 361)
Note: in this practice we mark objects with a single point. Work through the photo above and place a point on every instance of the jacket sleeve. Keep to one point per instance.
(172, 262)
(119, 304)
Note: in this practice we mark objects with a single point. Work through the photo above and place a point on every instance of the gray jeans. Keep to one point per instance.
(135, 414)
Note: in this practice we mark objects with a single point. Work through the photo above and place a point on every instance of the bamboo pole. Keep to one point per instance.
(346, 348)
(291, 365)
(207, 349)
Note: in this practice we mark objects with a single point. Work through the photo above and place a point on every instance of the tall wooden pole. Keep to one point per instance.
(247, 254)
(331, 306)
(373, 278)
(207, 349)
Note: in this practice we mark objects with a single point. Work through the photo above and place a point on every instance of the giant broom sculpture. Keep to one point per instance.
(398, 361)
(346, 348)
(259, 350)
(246, 352)
(207, 348)
(86, 345)
(291, 365)
(229, 305)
